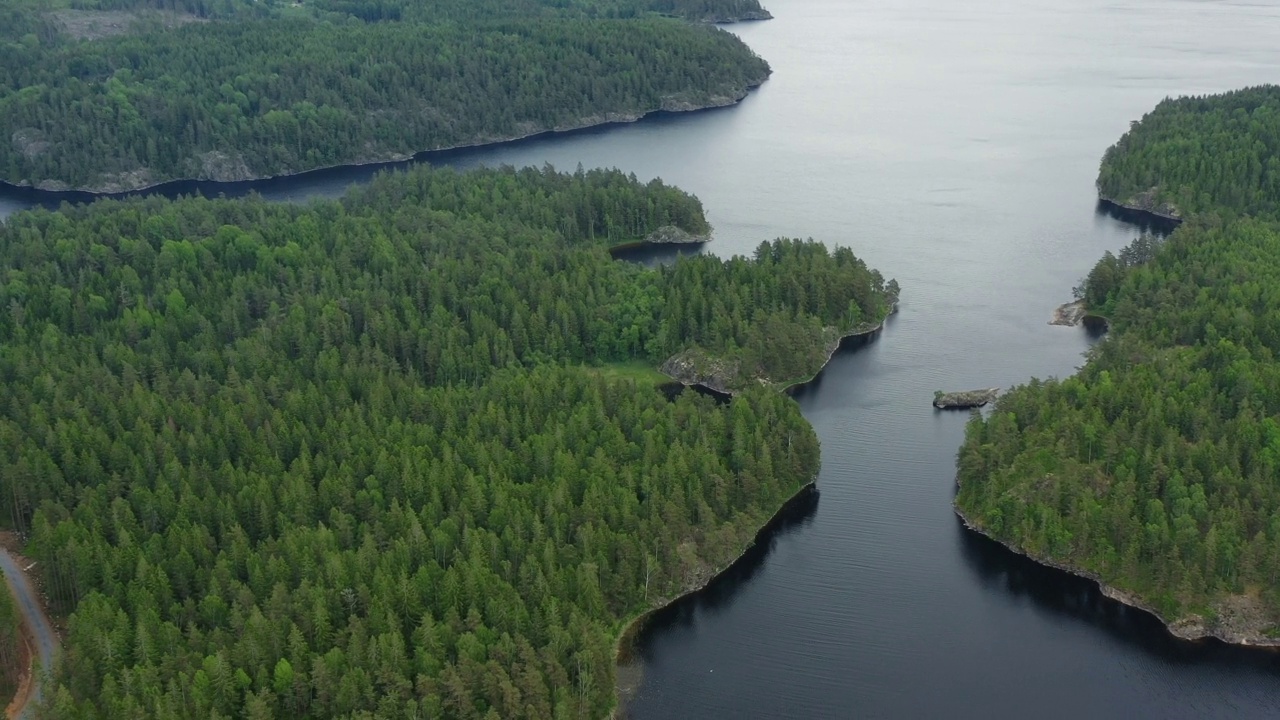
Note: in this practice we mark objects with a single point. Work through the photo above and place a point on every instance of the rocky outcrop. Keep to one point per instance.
(222, 167)
(29, 142)
(744, 16)
(1147, 203)
(1069, 314)
(965, 399)
(696, 366)
(672, 235)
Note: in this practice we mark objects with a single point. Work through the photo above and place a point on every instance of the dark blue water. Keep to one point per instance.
(954, 146)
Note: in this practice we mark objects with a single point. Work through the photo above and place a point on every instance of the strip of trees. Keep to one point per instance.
(253, 91)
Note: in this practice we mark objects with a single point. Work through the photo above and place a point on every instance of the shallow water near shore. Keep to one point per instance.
(954, 147)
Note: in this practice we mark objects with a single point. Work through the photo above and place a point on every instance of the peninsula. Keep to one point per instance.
(813, 299)
(294, 451)
(1152, 470)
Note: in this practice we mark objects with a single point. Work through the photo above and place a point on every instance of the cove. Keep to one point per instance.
(955, 148)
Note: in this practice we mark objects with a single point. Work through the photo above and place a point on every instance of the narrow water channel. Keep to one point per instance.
(954, 146)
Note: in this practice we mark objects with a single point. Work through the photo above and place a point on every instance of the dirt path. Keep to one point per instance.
(42, 641)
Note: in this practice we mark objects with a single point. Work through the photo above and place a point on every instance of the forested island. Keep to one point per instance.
(1153, 470)
(115, 95)
(394, 455)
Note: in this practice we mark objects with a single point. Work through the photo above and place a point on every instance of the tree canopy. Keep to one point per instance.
(1154, 468)
(231, 91)
(1192, 155)
(364, 457)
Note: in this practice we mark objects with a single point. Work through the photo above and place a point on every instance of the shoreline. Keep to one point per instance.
(799, 385)
(606, 120)
(747, 17)
(631, 629)
(1076, 313)
(1179, 629)
(1139, 216)
(663, 237)
(790, 387)
(642, 244)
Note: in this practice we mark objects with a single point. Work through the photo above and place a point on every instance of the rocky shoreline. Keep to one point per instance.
(233, 170)
(626, 638)
(665, 235)
(1192, 628)
(832, 349)
(1165, 217)
(690, 370)
(1069, 314)
(748, 16)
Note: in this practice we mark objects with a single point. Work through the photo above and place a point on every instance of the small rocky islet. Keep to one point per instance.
(965, 399)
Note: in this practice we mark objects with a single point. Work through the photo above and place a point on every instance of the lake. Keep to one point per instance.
(953, 146)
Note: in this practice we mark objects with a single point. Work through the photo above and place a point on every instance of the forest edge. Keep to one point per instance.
(668, 107)
(682, 373)
(1192, 628)
(625, 644)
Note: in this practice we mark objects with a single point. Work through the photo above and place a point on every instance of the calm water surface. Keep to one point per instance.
(954, 146)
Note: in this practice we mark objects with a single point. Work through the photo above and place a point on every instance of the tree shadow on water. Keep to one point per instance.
(1059, 593)
(720, 592)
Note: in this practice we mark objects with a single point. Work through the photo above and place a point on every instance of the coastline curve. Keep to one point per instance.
(804, 500)
(212, 188)
(1188, 632)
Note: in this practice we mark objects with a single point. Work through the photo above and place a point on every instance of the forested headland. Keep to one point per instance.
(1197, 155)
(1154, 468)
(384, 456)
(116, 95)
(772, 320)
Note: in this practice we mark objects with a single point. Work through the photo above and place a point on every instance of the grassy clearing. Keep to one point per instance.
(637, 370)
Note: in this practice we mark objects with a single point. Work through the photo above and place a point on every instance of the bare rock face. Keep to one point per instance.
(224, 167)
(126, 181)
(1069, 314)
(1146, 202)
(696, 367)
(29, 142)
(672, 235)
(52, 186)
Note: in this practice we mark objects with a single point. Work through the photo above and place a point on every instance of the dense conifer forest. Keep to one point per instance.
(1195, 155)
(1155, 467)
(384, 456)
(113, 96)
